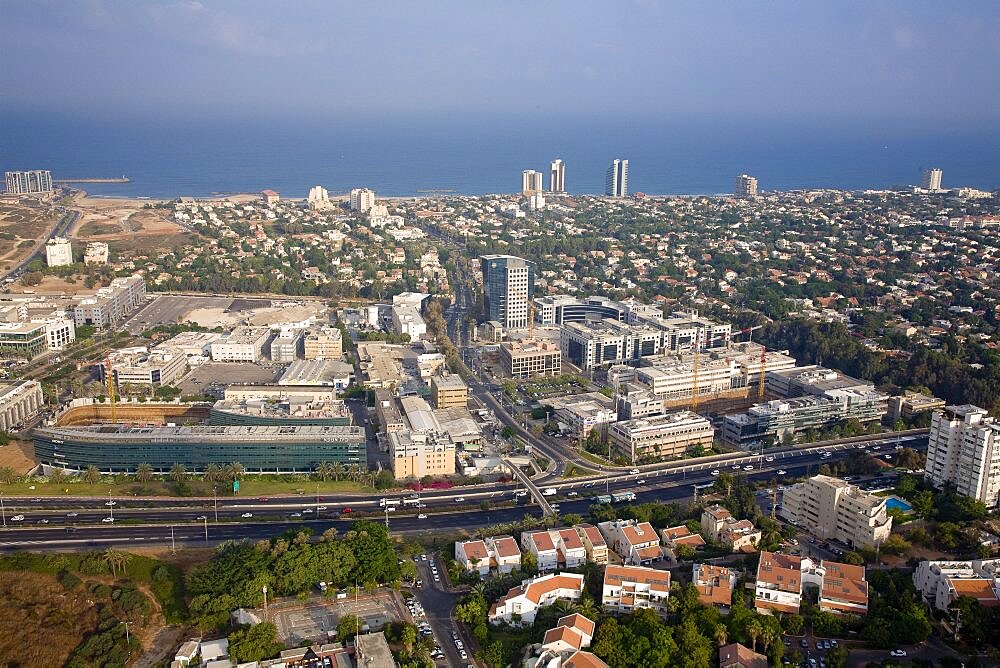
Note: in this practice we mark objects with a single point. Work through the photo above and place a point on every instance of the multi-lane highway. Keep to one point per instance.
(149, 521)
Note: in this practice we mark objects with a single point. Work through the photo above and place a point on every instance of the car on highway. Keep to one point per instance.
(107, 503)
(263, 499)
(346, 510)
(769, 459)
(634, 472)
(43, 521)
(246, 516)
(201, 518)
(782, 471)
(716, 472)
(70, 529)
(573, 493)
(748, 467)
(422, 516)
(71, 514)
(640, 482)
(108, 520)
(320, 508)
(307, 511)
(17, 518)
(898, 652)
(735, 467)
(295, 515)
(460, 499)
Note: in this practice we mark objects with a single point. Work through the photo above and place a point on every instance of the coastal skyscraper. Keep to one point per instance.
(362, 199)
(557, 177)
(34, 182)
(616, 182)
(932, 179)
(508, 283)
(963, 449)
(531, 182)
(746, 186)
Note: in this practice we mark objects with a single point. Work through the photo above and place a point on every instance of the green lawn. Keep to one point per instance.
(128, 486)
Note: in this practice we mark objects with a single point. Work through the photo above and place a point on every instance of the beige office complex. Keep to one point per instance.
(244, 344)
(831, 508)
(529, 359)
(660, 436)
(963, 449)
(112, 303)
(449, 390)
(326, 343)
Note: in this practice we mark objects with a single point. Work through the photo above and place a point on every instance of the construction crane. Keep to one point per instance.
(763, 368)
(750, 331)
(531, 319)
(694, 382)
(109, 378)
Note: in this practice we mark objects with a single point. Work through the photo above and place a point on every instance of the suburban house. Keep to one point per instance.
(593, 543)
(779, 582)
(844, 589)
(674, 537)
(570, 635)
(628, 588)
(521, 603)
(720, 527)
(635, 542)
(554, 549)
(942, 582)
(736, 655)
(499, 552)
(715, 584)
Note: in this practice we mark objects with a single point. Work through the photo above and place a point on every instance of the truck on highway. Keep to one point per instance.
(604, 498)
(549, 491)
(623, 496)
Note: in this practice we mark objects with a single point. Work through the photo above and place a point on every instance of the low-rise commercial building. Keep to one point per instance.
(941, 583)
(910, 405)
(417, 454)
(96, 253)
(520, 605)
(111, 304)
(138, 366)
(284, 347)
(19, 402)
(660, 436)
(530, 359)
(449, 390)
(293, 410)
(243, 344)
(584, 413)
(326, 373)
(630, 588)
(832, 508)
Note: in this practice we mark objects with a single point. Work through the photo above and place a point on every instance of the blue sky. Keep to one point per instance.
(910, 61)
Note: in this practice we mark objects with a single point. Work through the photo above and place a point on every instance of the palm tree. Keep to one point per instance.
(115, 560)
(212, 472)
(324, 471)
(178, 472)
(754, 629)
(57, 476)
(235, 471)
(144, 472)
(92, 475)
(587, 607)
(721, 634)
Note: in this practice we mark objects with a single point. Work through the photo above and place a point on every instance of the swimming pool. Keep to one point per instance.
(898, 504)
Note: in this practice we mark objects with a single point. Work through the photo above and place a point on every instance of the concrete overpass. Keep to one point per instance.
(536, 493)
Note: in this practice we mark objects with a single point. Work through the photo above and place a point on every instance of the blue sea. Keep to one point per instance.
(475, 155)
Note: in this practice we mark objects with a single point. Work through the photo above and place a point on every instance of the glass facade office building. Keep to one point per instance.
(260, 449)
(508, 283)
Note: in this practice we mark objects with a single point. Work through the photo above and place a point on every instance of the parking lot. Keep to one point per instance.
(171, 309)
(316, 620)
(203, 378)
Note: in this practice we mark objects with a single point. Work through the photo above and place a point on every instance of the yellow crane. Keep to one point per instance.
(109, 378)
(531, 319)
(763, 368)
(694, 383)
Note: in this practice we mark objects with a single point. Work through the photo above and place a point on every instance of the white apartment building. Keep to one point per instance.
(362, 199)
(635, 542)
(284, 347)
(555, 549)
(593, 543)
(746, 186)
(96, 253)
(112, 303)
(58, 252)
(31, 182)
(531, 182)
(779, 582)
(406, 319)
(415, 454)
(942, 582)
(584, 412)
(19, 402)
(719, 526)
(832, 508)
(660, 436)
(244, 344)
(932, 179)
(557, 176)
(520, 605)
(964, 449)
(59, 331)
(630, 588)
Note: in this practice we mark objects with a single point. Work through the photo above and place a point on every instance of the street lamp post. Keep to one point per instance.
(215, 501)
(206, 529)
(3, 511)
(264, 589)
(111, 505)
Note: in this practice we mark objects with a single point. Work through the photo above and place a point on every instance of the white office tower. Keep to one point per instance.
(557, 177)
(531, 182)
(536, 202)
(58, 252)
(616, 182)
(362, 199)
(932, 179)
(34, 182)
(963, 449)
(318, 198)
(746, 186)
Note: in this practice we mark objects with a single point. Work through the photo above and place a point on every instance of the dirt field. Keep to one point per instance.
(17, 455)
(47, 621)
(20, 229)
(126, 226)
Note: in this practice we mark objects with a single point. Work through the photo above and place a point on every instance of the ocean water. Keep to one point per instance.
(405, 156)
